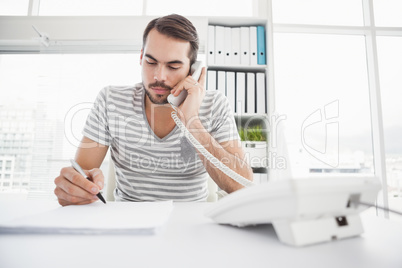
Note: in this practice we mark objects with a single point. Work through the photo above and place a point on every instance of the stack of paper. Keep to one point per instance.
(96, 218)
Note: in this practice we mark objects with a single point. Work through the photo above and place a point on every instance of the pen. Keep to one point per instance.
(79, 169)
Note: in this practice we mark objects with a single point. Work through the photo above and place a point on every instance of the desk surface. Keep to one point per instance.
(192, 240)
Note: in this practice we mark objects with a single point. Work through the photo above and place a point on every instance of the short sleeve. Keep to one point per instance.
(96, 126)
(223, 123)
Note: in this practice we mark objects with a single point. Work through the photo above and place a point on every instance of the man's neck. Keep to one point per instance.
(159, 118)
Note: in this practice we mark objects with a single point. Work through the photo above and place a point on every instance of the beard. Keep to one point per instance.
(158, 99)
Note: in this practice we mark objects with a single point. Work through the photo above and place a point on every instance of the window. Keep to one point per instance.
(201, 8)
(14, 7)
(321, 12)
(390, 66)
(321, 87)
(90, 7)
(387, 13)
(315, 49)
(127, 7)
(54, 88)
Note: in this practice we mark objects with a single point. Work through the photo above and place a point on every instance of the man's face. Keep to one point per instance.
(165, 63)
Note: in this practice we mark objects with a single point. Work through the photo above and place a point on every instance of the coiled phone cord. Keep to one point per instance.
(227, 171)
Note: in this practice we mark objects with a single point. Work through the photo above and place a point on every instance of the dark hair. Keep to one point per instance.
(178, 27)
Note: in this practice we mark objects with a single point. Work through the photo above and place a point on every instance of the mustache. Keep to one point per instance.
(160, 84)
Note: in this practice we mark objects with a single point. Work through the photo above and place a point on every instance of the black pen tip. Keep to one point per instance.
(101, 197)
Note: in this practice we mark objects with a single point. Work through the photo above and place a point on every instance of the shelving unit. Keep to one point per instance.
(246, 119)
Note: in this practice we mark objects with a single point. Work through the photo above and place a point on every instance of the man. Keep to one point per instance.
(153, 160)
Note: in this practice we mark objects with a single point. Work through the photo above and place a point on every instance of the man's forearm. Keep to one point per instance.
(232, 157)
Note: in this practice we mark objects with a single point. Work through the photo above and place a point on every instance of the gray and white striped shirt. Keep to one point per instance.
(149, 168)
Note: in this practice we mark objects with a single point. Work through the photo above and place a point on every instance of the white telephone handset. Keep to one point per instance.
(196, 69)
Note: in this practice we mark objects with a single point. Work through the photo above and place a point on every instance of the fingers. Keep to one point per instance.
(187, 84)
(78, 180)
(72, 188)
(97, 177)
(66, 199)
(190, 83)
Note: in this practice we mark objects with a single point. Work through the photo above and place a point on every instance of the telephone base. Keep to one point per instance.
(303, 212)
(307, 232)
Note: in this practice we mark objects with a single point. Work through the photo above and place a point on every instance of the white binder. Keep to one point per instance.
(221, 83)
(211, 45)
(250, 93)
(253, 45)
(245, 45)
(240, 92)
(228, 46)
(236, 46)
(230, 89)
(261, 93)
(219, 45)
(211, 80)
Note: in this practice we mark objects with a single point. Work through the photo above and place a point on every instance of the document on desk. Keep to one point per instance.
(95, 218)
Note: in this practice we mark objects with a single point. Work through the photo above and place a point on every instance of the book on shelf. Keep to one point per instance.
(221, 82)
(211, 44)
(231, 89)
(250, 95)
(246, 91)
(240, 92)
(211, 80)
(260, 93)
(235, 43)
(243, 45)
(253, 45)
(261, 59)
(219, 45)
(227, 46)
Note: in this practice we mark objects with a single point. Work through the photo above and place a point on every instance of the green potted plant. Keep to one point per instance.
(254, 143)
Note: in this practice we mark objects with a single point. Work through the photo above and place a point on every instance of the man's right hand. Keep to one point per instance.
(73, 189)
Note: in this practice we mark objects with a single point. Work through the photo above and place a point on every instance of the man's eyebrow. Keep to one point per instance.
(170, 62)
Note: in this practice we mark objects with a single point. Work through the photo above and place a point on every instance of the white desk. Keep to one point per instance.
(192, 240)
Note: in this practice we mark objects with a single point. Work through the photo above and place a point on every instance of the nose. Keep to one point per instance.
(160, 73)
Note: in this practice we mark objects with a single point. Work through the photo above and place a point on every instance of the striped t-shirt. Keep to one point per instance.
(149, 168)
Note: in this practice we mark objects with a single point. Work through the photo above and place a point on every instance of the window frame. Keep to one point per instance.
(370, 31)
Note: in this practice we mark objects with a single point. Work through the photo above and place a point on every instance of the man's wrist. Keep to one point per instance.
(194, 125)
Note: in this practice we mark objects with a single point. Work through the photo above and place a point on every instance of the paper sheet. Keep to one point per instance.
(95, 218)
